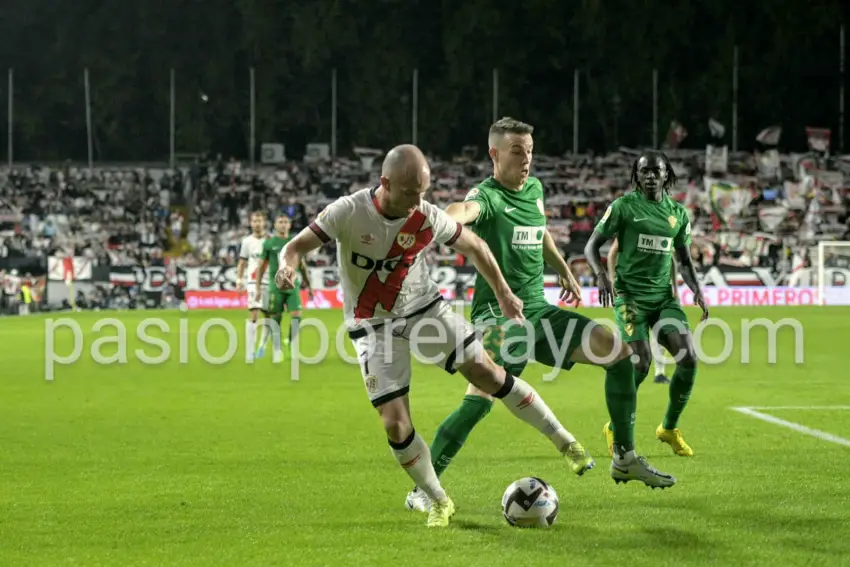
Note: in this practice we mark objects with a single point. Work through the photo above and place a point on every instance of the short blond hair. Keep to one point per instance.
(507, 125)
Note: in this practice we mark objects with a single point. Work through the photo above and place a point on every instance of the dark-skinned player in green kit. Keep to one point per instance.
(650, 226)
(507, 211)
(279, 299)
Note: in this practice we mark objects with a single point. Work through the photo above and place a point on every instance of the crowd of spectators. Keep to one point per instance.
(198, 213)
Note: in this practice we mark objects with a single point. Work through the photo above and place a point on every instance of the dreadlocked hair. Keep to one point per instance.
(671, 175)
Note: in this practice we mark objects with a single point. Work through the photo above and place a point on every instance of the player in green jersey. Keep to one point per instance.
(649, 226)
(280, 299)
(508, 212)
(656, 352)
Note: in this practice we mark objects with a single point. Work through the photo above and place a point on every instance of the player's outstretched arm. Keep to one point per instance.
(465, 212)
(593, 253)
(291, 255)
(471, 246)
(689, 274)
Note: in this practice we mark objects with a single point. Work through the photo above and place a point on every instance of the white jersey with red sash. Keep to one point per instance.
(382, 267)
(385, 277)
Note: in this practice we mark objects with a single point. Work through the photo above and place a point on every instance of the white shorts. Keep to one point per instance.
(258, 301)
(438, 335)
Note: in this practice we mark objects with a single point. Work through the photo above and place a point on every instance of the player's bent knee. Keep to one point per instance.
(398, 431)
(602, 348)
(396, 419)
(689, 359)
(484, 375)
(681, 346)
(295, 313)
(473, 391)
(642, 366)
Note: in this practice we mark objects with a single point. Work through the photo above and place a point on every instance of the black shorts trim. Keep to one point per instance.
(390, 397)
(450, 360)
(362, 332)
(355, 334)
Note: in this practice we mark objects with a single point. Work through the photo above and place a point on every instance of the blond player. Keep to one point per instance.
(393, 308)
(250, 255)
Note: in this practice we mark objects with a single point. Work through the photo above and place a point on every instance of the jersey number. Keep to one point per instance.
(385, 293)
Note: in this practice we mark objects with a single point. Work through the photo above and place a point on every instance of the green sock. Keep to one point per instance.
(452, 433)
(621, 398)
(294, 325)
(639, 378)
(681, 385)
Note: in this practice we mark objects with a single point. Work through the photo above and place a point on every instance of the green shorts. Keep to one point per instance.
(549, 335)
(278, 300)
(637, 319)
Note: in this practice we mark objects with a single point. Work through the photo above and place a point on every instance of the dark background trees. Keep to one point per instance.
(789, 61)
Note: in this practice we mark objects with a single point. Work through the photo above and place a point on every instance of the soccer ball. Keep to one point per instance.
(530, 502)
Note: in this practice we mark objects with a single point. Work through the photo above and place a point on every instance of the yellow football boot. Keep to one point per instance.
(578, 458)
(440, 513)
(609, 438)
(673, 437)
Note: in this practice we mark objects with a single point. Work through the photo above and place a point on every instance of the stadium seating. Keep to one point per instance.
(754, 213)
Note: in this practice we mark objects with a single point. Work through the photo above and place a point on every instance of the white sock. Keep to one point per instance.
(251, 337)
(627, 458)
(415, 459)
(659, 366)
(527, 405)
(264, 334)
(276, 338)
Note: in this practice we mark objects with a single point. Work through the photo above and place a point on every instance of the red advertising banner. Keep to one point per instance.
(322, 299)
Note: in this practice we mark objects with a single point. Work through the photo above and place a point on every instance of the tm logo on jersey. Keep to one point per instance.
(655, 244)
(528, 237)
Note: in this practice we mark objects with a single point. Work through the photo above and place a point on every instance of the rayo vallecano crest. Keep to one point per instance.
(405, 239)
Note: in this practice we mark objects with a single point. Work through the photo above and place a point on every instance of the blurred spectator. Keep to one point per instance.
(197, 215)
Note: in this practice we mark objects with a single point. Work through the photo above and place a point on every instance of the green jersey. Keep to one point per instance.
(271, 251)
(512, 223)
(647, 233)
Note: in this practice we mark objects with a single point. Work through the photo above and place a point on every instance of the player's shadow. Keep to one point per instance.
(671, 537)
(476, 527)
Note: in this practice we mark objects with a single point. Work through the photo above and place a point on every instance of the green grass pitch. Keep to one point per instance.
(192, 463)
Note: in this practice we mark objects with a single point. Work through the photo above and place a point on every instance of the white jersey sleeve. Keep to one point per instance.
(333, 222)
(446, 229)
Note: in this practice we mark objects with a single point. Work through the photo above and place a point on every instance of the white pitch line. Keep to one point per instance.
(795, 426)
(818, 408)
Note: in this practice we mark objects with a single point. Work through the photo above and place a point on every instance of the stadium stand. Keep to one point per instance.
(757, 210)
